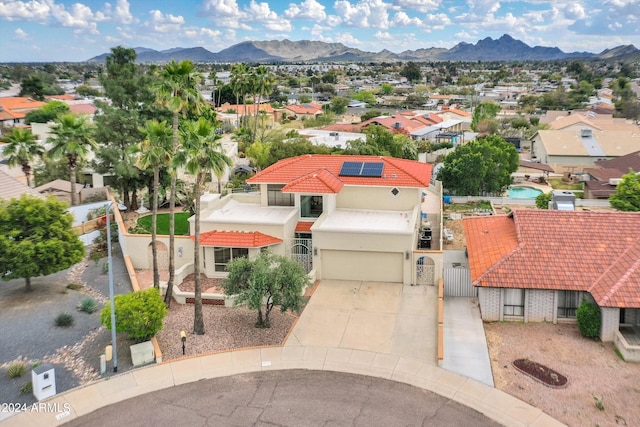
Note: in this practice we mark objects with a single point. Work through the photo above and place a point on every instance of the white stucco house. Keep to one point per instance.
(360, 218)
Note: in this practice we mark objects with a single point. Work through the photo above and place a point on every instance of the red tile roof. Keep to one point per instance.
(244, 109)
(18, 106)
(304, 108)
(392, 122)
(396, 172)
(596, 252)
(320, 181)
(304, 226)
(237, 239)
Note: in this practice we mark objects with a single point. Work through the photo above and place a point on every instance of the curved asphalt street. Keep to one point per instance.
(288, 398)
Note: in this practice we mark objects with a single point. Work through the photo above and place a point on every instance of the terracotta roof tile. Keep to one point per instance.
(304, 226)
(561, 250)
(396, 172)
(320, 181)
(237, 239)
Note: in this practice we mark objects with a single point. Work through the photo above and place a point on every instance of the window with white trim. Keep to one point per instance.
(513, 304)
(222, 256)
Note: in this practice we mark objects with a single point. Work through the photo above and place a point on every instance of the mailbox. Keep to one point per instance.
(43, 379)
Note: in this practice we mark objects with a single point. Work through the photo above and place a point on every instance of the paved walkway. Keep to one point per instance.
(465, 344)
(381, 330)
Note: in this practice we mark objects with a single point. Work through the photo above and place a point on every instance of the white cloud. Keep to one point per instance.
(403, 20)
(308, 9)
(163, 23)
(418, 5)
(38, 11)
(121, 13)
(574, 11)
(364, 14)
(347, 39)
(21, 34)
(261, 13)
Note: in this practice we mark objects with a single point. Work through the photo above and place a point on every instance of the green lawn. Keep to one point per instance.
(182, 226)
(559, 184)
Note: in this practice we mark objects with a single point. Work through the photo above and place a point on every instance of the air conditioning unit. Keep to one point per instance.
(585, 177)
(615, 181)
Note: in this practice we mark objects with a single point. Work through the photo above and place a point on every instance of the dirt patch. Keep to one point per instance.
(459, 242)
(225, 329)
(595, 372)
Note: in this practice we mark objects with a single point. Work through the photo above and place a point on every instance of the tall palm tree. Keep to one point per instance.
(73, 140)
(200, 155)
(239, 85)
(263, 82)
(154, 151)
(22, 148)
(176, 90)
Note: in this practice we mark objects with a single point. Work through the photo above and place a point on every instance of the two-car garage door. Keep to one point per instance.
(365, 266)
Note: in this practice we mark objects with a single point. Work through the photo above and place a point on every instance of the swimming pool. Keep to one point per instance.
(524, 192)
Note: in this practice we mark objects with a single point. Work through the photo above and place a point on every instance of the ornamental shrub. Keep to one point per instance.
(588, 316)
(139, 314)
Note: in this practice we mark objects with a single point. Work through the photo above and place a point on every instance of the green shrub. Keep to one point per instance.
(139, 314)
(27, 388)
(542, 201)
(588, 317)
(64, 320)
(88, 305)
(16, 369)
(74, 286)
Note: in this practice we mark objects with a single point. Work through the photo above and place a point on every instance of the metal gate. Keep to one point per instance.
(425, 271)
(457, 283)
(299, 250)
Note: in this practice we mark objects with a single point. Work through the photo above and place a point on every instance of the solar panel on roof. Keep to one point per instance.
(351, 169)
(372, 169)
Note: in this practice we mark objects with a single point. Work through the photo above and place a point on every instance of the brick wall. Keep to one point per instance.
(540, 306)
(490, 304)
(610, 318)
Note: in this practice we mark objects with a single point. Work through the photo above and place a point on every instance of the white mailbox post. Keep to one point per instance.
(43, 379)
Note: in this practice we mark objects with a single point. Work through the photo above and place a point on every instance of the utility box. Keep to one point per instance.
(142, 353)
(43, 379)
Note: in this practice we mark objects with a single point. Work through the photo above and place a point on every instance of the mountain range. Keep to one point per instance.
(506, 48)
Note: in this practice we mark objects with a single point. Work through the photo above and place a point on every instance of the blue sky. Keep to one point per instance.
(61, 30)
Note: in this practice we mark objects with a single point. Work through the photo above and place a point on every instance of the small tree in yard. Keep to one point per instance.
(36, 238)
(139, 314)
(588, 317)
(264, 282)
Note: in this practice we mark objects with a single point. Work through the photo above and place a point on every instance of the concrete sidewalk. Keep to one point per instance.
(465, 344)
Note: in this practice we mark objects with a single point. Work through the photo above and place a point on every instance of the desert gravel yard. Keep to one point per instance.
(592, 368)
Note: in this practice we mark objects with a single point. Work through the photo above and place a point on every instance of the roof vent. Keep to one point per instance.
(586, 133)
(563, 201)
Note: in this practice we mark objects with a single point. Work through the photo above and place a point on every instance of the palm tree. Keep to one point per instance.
(176, 90)
(263, 82)
(22, 148)
(154, 151)
(239, 85)
(200, 155)
(72, 139)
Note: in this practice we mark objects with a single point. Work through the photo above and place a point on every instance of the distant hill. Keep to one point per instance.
(506, 48)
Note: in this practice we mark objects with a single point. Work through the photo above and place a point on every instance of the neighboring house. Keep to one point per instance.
(13, 109)
(303, 111)
(11, 188)
(231, 112)
(343, 217)
(604, 178)
(537, 265)
(330, 138)
(574, 150)
(397, 123)
(59, 188)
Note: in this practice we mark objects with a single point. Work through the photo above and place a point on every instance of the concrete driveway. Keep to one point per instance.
(388, 318)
